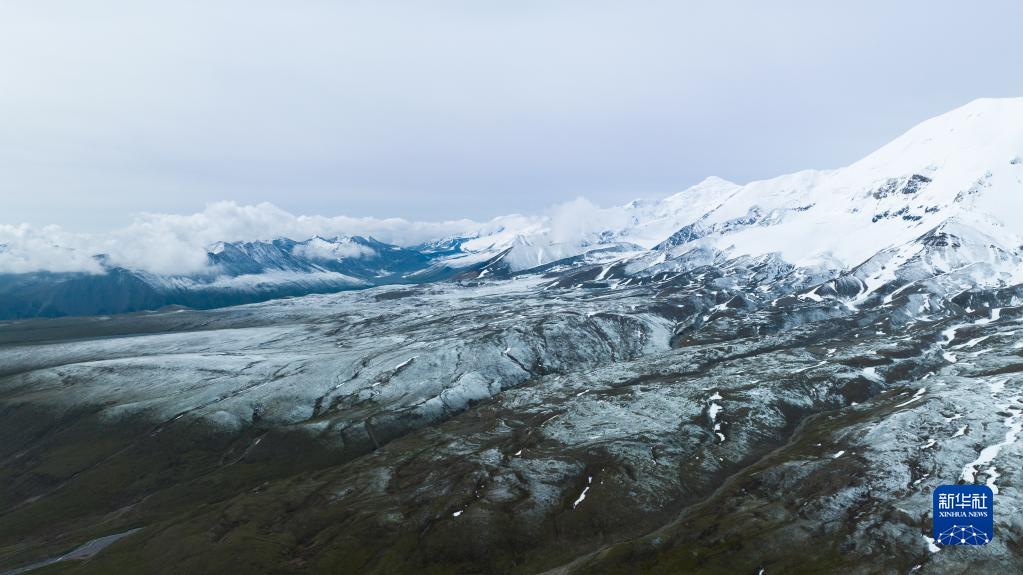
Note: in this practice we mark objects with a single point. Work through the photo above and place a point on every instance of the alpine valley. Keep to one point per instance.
(760, 378)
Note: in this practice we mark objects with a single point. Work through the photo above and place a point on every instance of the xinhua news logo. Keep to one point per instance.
(964, 515)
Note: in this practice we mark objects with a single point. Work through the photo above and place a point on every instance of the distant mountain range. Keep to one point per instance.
(941, 201)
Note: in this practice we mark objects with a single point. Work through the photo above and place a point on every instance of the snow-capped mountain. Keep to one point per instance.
(942, 199)
(965, 165)
(958, 176)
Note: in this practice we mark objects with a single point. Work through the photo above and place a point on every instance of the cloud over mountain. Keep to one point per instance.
(175, 244)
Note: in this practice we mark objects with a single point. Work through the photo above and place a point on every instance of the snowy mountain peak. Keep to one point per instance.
(964, 164)
(985, 132)
(967, 163)
(973, 154)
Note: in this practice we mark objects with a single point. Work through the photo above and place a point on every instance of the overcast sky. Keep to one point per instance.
(440, 110)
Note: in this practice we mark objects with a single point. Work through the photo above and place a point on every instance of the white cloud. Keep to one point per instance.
(582, 219)
(320, 249)
(177, 244)
(25, 248)
(170, 244)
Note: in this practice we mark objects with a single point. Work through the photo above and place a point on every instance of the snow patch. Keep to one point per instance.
(919, 393)
(1015, 424)
(582, 496)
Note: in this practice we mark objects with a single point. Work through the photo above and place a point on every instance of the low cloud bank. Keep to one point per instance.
(172, 244)
(177, 244)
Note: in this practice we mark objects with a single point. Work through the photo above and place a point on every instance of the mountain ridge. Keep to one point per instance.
(965, 166)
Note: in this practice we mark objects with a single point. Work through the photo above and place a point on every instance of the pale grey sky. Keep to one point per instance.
(438, 110)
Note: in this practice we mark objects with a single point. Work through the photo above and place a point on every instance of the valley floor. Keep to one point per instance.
(511, 427)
